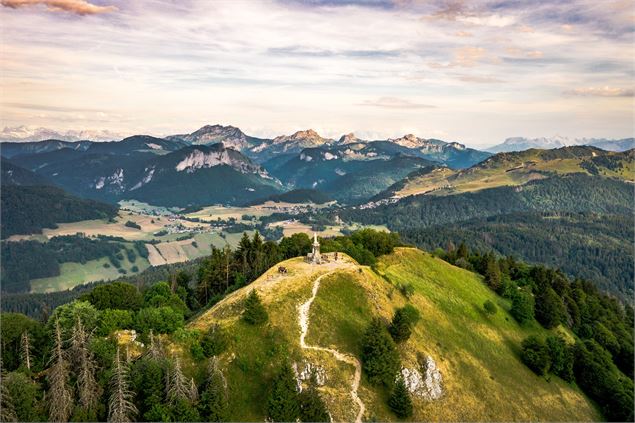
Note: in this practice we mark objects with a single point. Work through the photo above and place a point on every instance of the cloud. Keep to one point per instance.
(396, 103)
(601, 92)
(78, 7)
(480, 79)
(467, 57)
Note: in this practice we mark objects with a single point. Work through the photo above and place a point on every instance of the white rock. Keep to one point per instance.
(428, 386)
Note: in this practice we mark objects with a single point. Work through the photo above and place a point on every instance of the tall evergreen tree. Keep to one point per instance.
(400, 402)
(213, 403)
(60, 395)
(120, 407)
(283, 404)
(312, 407)
(493, 276)
(255, 312)
(380, 358)
(7, 408)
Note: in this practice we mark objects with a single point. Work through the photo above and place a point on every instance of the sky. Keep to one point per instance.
(474, 72)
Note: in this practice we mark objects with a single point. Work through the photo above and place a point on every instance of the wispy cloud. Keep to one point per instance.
(396, 103)
(78, 7)
(273, 66)
(601, 92)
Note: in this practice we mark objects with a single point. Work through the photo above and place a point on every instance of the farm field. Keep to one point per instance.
(73, 274)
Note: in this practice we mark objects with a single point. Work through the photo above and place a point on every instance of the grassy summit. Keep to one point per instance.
(476, 353)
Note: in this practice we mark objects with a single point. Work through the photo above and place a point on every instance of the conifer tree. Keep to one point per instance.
(399, 328)
(7, 409)
(213, 404)
(493, 276)
(255, 312)
(312, 407)
(380, 358)
(400, 402)
(88, 388)
(60, 395)
(283, 404)
(120, 407)
(25, 349)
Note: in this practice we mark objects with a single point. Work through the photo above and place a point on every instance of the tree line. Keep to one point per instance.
(600, 360)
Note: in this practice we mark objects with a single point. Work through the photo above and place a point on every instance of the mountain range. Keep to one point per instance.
(221, 165)
(521, 143)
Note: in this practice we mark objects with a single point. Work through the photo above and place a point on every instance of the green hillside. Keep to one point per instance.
(478, 355)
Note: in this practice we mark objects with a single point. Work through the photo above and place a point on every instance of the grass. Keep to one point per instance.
(73, 274)
(520, 170)
(477, 354)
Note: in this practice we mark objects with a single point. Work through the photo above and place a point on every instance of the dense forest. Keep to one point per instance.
(69, 366)
(586, 245)
(26, 260)
(580, 223)
(572, 193)
(600, 358)
(29, 209)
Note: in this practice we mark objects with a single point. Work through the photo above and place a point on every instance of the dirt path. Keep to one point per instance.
(303, 316)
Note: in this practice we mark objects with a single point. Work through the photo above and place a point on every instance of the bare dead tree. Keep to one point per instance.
(193, 394)
(120, 406)
(25, 349)
(177, 387)
(87, 386)
(7, 410)
(155, 350)
(60, 393)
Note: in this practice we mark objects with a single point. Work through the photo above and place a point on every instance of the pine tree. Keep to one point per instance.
(60, 395)
(177, 387)
(493, 273)
(312, 407)
(7, 409)
(25, 349)
(400, 329)
(400, 402)
(380, 358)
(255, 312)
(283, 404)
(88, 388)
(213, 404)
(120, 407)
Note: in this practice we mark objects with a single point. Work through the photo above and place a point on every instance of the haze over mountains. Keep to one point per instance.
(522, 143)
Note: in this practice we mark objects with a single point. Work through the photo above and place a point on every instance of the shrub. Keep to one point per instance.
(131, 224)
(215, 341)
(407, 290)
(489, 307)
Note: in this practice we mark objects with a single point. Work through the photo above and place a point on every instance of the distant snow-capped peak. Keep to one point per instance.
(26, 133)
